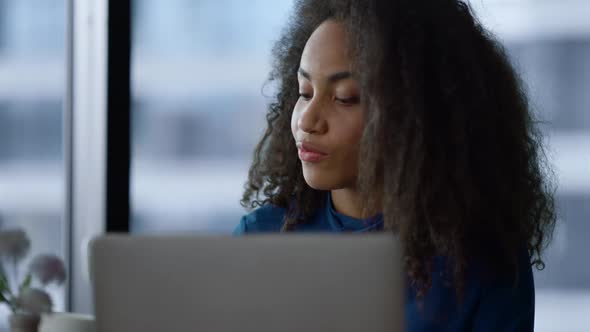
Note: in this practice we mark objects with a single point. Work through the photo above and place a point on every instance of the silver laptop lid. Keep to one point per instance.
(257, 283)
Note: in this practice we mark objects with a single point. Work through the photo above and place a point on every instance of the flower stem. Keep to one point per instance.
(7, 295)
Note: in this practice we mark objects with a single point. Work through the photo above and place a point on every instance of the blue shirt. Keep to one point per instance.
(494, 305)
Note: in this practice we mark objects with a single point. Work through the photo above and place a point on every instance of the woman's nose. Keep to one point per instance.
(311, 120)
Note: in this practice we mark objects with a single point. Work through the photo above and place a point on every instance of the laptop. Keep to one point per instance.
(262, 283)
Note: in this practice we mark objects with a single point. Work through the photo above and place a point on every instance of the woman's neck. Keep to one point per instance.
(347, 201)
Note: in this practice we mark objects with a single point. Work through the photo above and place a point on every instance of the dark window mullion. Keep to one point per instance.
(118, 116)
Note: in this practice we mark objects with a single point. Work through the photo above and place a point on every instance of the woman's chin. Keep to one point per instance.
(318, 182)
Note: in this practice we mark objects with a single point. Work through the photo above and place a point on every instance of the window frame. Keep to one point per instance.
(96, 134)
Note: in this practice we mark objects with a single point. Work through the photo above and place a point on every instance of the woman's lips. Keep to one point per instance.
(309, 153)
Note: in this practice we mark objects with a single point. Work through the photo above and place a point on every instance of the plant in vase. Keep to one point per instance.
(26, 298)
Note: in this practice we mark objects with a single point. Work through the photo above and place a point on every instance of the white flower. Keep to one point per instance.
(14, 244)
(33, 301)
(48, 268)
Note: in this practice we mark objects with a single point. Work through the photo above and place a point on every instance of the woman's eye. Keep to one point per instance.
(305, 96)
(348, 101)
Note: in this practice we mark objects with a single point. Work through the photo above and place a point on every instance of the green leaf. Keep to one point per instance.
(3, 288)
(26, 283)
(3, 283)
(13, 307)
(3, 298)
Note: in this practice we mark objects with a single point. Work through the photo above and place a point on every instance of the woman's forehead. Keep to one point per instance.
(326, 51)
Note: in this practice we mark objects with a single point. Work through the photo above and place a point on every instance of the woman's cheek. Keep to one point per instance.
(294, 118)
(294, 124)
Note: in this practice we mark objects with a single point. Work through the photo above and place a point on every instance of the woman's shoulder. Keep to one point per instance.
(265, 219)
(507, 302)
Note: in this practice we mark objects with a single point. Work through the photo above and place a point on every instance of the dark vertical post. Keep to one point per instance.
(118, 117)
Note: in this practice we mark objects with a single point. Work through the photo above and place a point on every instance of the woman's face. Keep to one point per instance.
(327, 121)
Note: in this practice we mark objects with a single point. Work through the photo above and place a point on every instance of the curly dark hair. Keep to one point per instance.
(451, 150)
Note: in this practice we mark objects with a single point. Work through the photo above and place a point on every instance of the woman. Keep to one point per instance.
(406, 116)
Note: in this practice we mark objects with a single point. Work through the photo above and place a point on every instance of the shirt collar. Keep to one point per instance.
(343, 223)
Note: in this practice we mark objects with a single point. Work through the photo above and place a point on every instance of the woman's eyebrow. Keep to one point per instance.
(332, 78)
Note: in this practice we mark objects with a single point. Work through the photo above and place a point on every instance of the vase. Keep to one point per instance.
(24, 322)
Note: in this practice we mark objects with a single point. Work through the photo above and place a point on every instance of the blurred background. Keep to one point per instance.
(198, 105)
(32, 92)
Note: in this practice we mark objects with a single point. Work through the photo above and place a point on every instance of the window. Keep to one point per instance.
(198, 70)
(32, 88)
(557, 73)
(549, 44)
